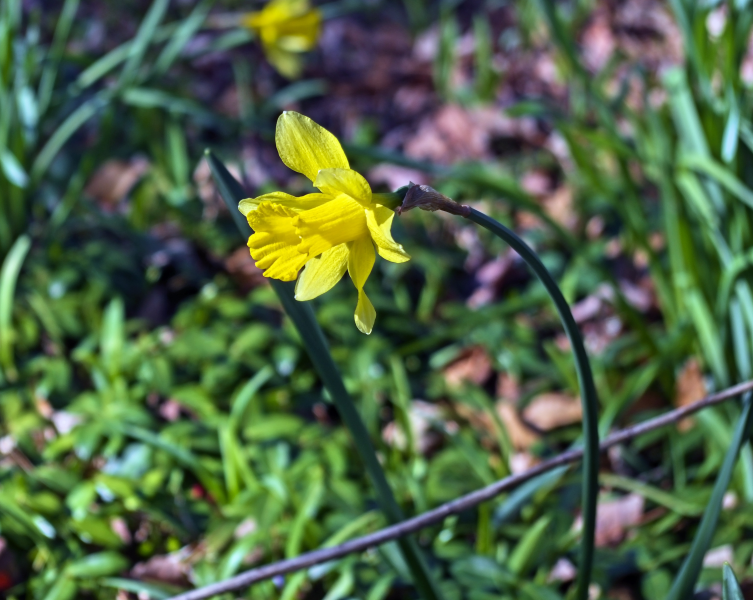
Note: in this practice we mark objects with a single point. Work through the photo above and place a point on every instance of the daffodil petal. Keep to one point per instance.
(306, 202)
(322, 273)
(365, 314)
(379, 221)
(307, 147)
(361, 260)
(291, 8)
(331, 224)
(344, 181)
(273, 246)
(287, 63)
(300, 33)
(276, 12)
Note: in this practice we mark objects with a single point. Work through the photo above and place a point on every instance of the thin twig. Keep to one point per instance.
(455, 506)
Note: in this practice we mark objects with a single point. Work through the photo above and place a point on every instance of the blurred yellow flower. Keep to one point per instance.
(286, 28)
(327, 232)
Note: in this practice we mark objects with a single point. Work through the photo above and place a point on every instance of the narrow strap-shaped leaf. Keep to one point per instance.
(686, 579)
(115, 57)
(63, 133)
(722, 174)
(183, 34)
(730, 588)
(142, 40)
(587, 390)
(49, 73)
(689, 128)
(317, 348)
(8, 277)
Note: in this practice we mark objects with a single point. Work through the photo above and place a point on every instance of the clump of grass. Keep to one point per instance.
(130, 433)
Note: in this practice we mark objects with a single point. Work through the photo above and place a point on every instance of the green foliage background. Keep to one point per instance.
(155, 404)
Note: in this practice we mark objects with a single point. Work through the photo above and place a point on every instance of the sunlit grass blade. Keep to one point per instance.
(247, 393)
(152, 591)
(155, 98)
(62, 29)
(182, 35)
(64, 588)
(682, 11)
(117, 56)
(587, 389)
(142, 40)
(688, 125)
(181, 454)
(686, 579)
(561, 36)
(721, 174)
(63, 133)
(317, 348)
(8, 277)
(13, 169)
(708, 333)
(730, 588)
(731, 130)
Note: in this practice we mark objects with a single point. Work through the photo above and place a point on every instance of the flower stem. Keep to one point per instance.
(318, 350)
(587, 387)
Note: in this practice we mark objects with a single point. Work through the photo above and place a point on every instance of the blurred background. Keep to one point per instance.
(160, 424)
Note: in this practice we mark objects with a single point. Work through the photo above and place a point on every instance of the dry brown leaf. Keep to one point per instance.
(114, 179)
(413, 100)
(650, 400)
(453, 133)
(473, 366)
(170, 410)
(746, 68)
(598, 41)
(690, 388)
(623, 593)
(522, 461)
(228, 103)
(528, 220)
(170, 568)
(245, 527)
(478, 419)
(447, 136)
(508, 387)
(64, 421)
(729, 500)
(716, 557)
(559, 206)
(587, 309)
(537, 182)
(640, 296)
(563, 570)
(491, 277)
(243, 269)
(614, 518)
(598, 335)
(421, 416)
(395, 176)
(120, 527)
(647, 33)
(550, 410)
(522, 437)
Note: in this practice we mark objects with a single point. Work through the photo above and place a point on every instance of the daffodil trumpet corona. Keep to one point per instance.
(340, 228)
(286, 28)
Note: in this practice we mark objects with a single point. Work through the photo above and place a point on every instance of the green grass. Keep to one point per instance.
(153, 400)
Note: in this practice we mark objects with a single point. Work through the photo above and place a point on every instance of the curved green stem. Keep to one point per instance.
(317, 348)
(587, 387)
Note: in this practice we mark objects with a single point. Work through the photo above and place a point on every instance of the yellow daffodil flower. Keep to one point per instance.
(327, 232)
(286, 28)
